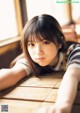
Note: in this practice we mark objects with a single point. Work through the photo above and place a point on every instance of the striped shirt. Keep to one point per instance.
(73, 55)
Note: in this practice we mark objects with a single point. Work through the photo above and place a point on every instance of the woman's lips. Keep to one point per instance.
(42, 58)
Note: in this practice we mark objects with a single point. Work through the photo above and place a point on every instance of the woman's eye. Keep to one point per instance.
(31, 44)
(46, 42)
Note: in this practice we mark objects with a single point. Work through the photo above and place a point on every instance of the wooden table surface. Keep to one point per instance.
(32, 93)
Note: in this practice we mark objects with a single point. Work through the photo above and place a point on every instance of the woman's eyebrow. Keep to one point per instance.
(42, 39)
(31, 41)
(37, 40)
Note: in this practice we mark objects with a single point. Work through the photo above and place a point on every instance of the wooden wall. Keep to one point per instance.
(8, 53)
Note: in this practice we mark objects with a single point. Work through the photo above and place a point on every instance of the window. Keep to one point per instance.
(65, 11)
(8, 24)
(60, 11)
(10, 20)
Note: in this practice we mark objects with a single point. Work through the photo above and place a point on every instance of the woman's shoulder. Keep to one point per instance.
(73, 55)
(22, 60)
(73, 47)
(24, 64)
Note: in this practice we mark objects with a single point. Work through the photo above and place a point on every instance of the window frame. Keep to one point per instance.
(19, 26)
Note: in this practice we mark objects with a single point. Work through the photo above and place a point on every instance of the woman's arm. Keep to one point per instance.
(9, 77)
(66, 94)
(68, 88)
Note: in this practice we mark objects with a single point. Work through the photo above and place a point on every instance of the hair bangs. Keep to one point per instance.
(36, 36)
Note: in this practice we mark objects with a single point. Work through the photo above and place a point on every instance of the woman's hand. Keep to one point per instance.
(54, 109)
(49, 109)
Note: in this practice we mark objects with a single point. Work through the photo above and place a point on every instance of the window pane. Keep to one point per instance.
(8, 24)
(60, 11)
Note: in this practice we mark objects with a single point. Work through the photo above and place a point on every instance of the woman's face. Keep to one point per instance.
(43, 52)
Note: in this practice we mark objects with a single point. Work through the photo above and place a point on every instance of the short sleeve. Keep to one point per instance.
(24, 64)
(73, 56)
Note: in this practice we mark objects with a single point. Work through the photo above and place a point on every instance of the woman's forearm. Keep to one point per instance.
(6, 78)
(9, 77)
(67, 91)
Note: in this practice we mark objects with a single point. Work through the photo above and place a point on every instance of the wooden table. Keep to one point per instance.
(32, 93)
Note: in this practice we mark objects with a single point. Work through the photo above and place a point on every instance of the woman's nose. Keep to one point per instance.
(39, 49)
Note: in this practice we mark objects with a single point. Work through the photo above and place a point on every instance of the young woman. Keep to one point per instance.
(44, 47)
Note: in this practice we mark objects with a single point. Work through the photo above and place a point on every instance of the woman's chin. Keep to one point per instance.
(43, 65)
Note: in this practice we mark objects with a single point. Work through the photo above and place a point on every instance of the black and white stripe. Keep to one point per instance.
(73, 54)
